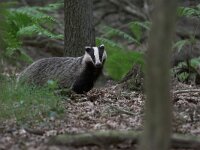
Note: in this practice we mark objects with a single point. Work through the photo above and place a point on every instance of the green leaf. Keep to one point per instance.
(187, 11)
(198, 6)
(180, 44)
(34, 14)
(195, 62)
(27, 21)
(146, 24)
(138, 27)
(183, 76)
(36, 30)
(137, 31)
(111, 43)
(51, 7)
(24, 57)
(120, 60)
(110, 32)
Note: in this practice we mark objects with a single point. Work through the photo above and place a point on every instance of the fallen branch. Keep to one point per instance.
(97, 138)
(106, 138)
(185, 141)
(120, 110)
(34, 131)
(186, 91)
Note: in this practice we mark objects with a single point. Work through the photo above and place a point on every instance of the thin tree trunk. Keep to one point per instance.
(2, 29)
(158, 106)
(79, 29)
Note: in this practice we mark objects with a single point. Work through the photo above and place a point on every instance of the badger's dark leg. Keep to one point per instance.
(80, 86)
(85, 81)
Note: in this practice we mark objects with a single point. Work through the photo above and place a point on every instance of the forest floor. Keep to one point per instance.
(102, 109)
(105, 108)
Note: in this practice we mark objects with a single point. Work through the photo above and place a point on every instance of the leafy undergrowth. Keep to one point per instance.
(25, 103)
(101, 109)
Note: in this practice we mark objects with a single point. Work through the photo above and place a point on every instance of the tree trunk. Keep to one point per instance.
(79, 29)
(158, 106)
(2, 29)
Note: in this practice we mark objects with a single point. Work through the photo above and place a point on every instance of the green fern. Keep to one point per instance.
(110, 32)
(109, 42)
(138, 27)
(120, 60)
(195, 62)
(37, 30)
(180, 44)
(27, 21)
(189, 12)
(50, 7)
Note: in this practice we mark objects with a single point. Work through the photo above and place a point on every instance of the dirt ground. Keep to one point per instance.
(102, 109)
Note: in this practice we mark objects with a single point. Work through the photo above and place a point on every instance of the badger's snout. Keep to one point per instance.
(98, 65)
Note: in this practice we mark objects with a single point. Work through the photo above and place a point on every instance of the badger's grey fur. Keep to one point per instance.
(77, 73)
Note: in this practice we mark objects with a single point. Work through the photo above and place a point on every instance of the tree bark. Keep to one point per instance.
(79, 28)
(158, 106)
(2, 29)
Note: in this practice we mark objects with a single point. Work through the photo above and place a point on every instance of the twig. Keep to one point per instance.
(133, 10)
(104, 16)
(186, 91)
(122, 111)
(34, 131)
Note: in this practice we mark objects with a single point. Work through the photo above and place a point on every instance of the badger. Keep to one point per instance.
(76, 73)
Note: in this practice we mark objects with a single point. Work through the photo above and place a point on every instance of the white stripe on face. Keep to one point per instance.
(104, 55)
(96, 54)
(87, 58)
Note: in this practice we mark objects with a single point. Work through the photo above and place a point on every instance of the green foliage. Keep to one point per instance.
(27, 21)
(25, 103)
(111, 32)
(189, 11)
(120, 58)
(188, 69)
(182, 77)
(195, 62)
(51, 84)
(137, 28)
(119, 61)
(180, 44)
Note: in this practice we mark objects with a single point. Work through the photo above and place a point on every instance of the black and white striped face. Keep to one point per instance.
(95, 55)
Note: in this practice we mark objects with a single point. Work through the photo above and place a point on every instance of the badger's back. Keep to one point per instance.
(77, 73)
(64, 70)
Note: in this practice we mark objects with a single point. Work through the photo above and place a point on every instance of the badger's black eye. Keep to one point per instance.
(88, 49)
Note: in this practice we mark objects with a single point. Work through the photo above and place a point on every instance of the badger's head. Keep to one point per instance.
(95, 56)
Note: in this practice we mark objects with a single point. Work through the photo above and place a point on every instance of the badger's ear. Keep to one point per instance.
(87, 49)
(102, 47)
